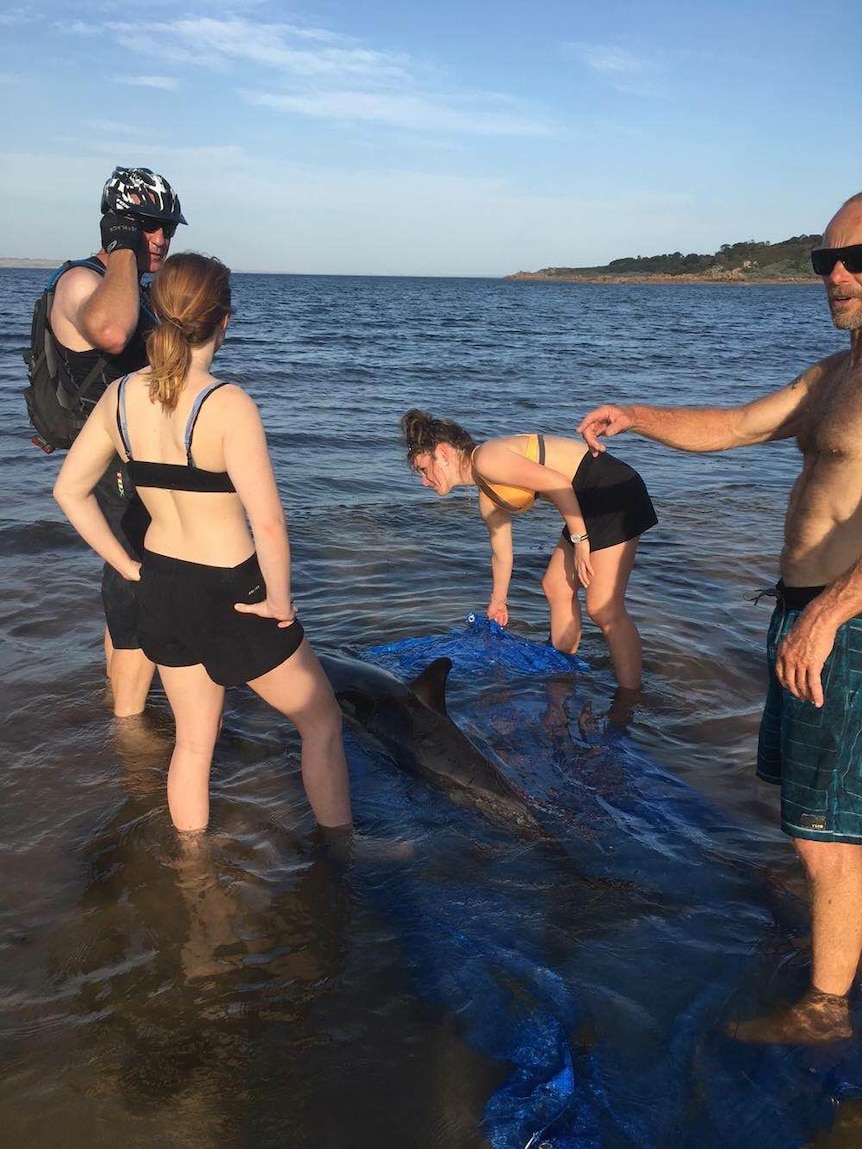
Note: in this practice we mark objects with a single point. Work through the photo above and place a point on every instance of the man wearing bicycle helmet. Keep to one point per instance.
(100, 317)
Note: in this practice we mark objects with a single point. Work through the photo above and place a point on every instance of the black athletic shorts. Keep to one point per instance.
(115, 494)
(188, 618)
(613, 499)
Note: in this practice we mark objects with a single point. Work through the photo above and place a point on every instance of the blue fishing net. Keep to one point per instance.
(600, 976)
(480, 646)
(470, 951)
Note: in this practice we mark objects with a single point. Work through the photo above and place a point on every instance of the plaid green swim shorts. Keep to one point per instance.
(815, 754)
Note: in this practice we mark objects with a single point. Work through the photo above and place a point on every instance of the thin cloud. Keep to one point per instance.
(283, 47)
(165, 83)
(326, 76)
(16, 16)
(78, 28)
(207, 7)
(204, 157)
(104, 127)
(619, 67)
(610, 59)
(413, 112)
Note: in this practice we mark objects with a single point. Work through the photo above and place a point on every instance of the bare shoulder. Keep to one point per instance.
(111, 395)
(235, 404)
(823, 372)
(77, 283)
(74, 288)
(483, 451)
(231, 394)
(789, 411)
(494, 450)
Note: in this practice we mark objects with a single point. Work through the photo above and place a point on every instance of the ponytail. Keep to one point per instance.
(170, 357)
(190, 297)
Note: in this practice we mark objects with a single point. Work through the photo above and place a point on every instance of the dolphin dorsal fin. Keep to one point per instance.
(430, 686)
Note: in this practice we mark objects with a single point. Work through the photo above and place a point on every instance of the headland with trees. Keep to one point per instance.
(753, 261)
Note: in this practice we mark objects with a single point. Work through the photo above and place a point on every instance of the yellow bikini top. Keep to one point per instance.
(515, 500)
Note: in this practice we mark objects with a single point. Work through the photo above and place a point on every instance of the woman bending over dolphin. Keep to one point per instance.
(214, 594)
(603, 502)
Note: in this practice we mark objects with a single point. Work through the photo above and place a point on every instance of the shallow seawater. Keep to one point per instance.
(248, 991)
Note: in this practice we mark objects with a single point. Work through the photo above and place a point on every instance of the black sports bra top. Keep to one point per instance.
(173, 476)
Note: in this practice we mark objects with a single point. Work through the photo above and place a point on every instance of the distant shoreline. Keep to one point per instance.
(733, 279)
(730, 280)
(23, 263)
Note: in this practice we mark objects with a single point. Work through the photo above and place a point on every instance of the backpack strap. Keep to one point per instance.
(69, 399)
(193, 416)
(91, 262)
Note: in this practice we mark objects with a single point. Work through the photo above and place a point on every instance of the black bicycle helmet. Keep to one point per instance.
(141, 191)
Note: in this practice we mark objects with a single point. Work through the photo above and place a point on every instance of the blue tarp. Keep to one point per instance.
(600, 977)
(480, 646)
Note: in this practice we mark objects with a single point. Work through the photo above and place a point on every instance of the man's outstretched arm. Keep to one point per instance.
(775, 416)
(687, 428)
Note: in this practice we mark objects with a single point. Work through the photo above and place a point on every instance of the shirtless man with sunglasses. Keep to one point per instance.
(811, 734)
(100, 317)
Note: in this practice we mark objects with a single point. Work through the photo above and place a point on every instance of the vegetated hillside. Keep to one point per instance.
(789, 259)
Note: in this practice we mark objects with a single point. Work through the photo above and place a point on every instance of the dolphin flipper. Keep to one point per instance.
(430, 686)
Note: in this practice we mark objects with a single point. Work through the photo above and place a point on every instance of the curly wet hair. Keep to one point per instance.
(422, 433)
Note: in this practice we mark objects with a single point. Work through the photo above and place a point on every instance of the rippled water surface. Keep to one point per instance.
(247, 993)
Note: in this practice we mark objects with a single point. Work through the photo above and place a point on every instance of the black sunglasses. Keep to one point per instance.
(149, 224)
(823, 259)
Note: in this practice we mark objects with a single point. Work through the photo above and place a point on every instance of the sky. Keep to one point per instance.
(432, 137)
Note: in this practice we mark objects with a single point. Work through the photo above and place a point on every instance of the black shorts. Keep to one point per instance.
(115, 494)
(188, 619)
(613, 499)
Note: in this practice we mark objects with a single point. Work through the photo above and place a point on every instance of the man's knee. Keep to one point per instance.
(828, 859)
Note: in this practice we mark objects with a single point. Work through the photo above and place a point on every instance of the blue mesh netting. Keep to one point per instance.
(480, 646)
(601, 974)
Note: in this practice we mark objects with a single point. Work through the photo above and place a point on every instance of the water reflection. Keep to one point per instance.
(238, 987)
(186, 946)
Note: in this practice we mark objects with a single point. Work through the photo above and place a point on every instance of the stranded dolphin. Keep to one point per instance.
(411, 721)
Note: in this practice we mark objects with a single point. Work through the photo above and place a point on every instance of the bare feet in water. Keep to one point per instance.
(817, 1017)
